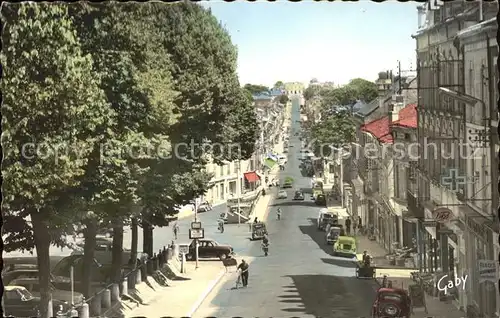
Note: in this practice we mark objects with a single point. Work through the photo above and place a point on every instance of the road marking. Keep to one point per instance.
(205, 294)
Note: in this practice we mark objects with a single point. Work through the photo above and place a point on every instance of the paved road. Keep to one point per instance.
(299, 277)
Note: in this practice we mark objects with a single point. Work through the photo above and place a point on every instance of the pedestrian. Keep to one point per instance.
(256, 220)
(348, 225)
(176, 230)
(354, 226)
(360, 226)
(244, 272)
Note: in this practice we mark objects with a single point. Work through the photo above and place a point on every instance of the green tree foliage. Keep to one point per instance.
(256, 89)
(283, 99)
(311, 91)
(51, 98)
(364, 90)
(336, 130)
(279, 84)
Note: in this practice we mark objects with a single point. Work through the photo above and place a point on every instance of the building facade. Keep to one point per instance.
(457, 167)
(294, 88)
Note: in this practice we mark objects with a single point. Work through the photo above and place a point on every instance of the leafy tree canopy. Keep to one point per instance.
(255, 89)
(311, 91)
(336, 130)
(279, 84)
(283, 99)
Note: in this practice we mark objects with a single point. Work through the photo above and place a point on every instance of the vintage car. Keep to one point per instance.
(258, 231)
(326, 218)
(345, 246)
(298, 196)
(333, 233)
(33, 286)
(204, 207)
(391, 302)
(208, 248)
(320, 199)
(19, 302)
(282, 194)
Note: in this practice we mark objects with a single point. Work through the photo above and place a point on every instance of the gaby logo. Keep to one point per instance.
(443, 285)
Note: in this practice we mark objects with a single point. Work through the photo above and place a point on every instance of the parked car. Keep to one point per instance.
(29, 273)
(208, 248)
(16, 266)
(33, 286)
(19, 302)
(204, 207)
(391, 302)
(345, 246)
(101, 244)
(282, 194)
(298, 196)
(101, 268)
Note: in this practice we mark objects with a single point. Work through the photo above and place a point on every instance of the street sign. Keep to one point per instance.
(184, 249)
(196, 233)
(196, 225)
(442, 215)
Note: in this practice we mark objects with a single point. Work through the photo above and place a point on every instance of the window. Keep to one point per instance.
(12, 295)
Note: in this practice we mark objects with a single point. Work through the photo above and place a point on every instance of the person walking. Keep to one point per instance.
(360, 225)
(176, 229)
(354, 226)
(348, 225)
(243, 267)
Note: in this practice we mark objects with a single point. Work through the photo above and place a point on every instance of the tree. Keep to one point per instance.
(311, 91)
(334, 131)
(283, 99)
(256, 89)
(364, 90)
(279, 84)
(52, 99)
(212, 108)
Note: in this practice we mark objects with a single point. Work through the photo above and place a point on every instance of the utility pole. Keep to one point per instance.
(399, 78)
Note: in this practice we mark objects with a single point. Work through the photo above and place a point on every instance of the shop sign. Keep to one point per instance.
(487, 271)
(479, 230)
(442, 215)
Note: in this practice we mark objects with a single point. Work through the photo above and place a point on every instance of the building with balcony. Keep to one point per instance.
(457, 167)
(294, 88)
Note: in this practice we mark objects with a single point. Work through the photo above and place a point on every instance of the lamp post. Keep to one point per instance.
(196, 203)
(238, 167)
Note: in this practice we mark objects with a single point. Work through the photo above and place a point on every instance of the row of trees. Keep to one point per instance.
(356, 89)
(95, 99)
(253, 89)
(337, 128)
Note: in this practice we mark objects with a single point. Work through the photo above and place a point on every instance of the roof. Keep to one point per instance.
(367, 109)
(391, 290)
(407, 117)
(262, 96)
(379, 128)
(358, 105)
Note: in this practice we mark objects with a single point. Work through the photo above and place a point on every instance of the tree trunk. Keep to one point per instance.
(42, 244)
(85, 283)
(117, 250)
(147, 242)
(135, 241)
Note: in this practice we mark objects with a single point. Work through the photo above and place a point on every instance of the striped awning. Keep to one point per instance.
(269, 163)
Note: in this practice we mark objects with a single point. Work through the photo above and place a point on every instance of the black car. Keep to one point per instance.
(28, 273)
(298, 196)
(19, 302)
(208, 248)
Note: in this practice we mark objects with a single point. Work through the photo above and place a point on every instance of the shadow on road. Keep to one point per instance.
(330, 296)
(347, 263)
(319, 237)
(294, 203)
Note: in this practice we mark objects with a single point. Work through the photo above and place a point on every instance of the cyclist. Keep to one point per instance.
(243, 267)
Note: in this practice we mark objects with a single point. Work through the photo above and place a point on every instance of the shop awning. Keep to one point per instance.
(251, 176)
(269, 163)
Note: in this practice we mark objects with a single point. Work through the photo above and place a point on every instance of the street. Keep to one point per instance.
(299, 277)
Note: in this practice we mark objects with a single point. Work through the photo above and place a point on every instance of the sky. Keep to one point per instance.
(330, 41)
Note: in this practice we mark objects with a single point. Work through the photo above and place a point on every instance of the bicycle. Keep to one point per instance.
(239, 281)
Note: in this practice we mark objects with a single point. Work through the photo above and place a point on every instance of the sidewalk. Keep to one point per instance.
(181, 299)
(401, 278)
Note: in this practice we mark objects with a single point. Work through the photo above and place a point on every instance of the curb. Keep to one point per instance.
(205, 294)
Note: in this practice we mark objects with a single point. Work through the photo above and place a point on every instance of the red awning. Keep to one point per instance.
(251, 177)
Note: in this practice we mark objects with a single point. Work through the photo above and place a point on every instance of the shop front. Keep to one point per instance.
(482, 290)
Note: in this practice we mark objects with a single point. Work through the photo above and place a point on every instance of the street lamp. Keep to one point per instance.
(238, 167)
